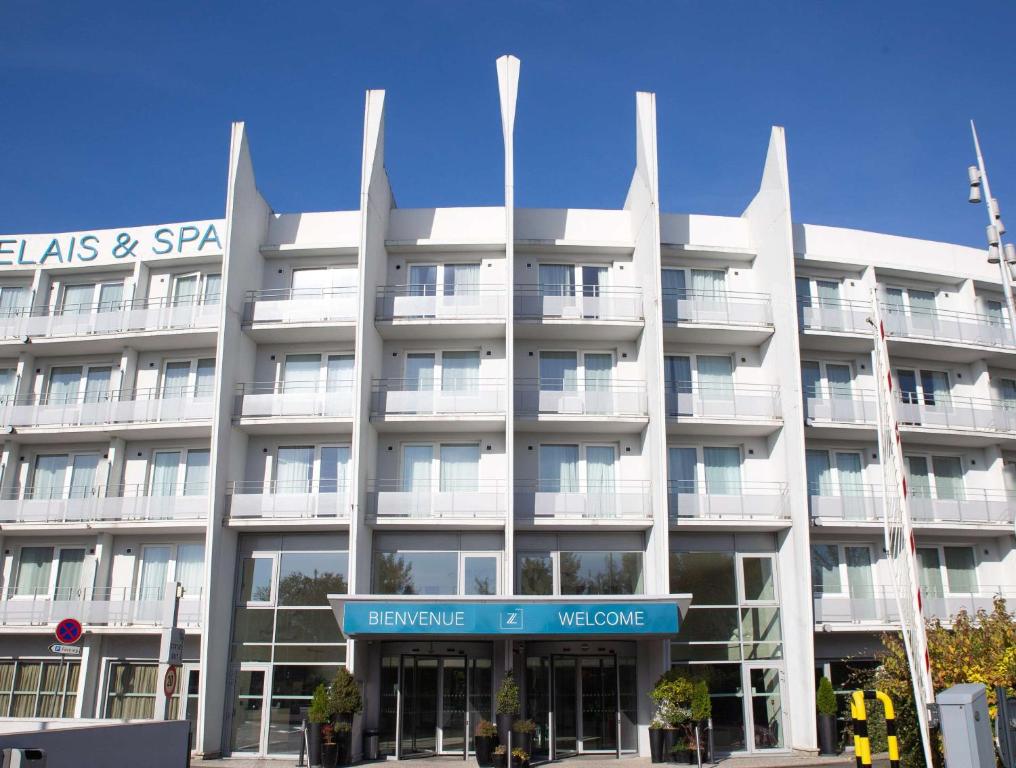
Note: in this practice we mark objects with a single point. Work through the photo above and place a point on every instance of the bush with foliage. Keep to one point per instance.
(486, 729)
(672, 695)
(825, 699)
(320, 709)
(524, 726)
(508, 696)
(974, 649)
(344, 694)
(701, 704)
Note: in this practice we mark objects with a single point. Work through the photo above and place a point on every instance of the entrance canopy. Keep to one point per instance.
(391, 616)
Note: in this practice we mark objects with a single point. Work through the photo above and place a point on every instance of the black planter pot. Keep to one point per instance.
(329, 755)
(828, 738)
(656, 737)
(500, 760)
(523, 741)
(484, 746)
(344, 740)
(314, 745)
(504, 727)
(520, 763)
(669, 739)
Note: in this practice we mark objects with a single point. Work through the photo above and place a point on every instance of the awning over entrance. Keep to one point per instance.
(412, 615)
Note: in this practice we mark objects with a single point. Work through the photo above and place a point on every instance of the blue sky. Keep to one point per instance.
(118, 114)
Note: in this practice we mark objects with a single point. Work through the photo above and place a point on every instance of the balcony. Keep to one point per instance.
(322, 314)
(409, 311)
(253, 501)
(109, 608)
(723, 408)
(113, 319)
(864, 504)
(938, 417)
(946, 335)
(834, 316)
(876, 606)
(472, 405)
(555, 404)
(835, 413)
(625, 503)
(158, 410)
(756, 502)
(273, 406)
(571, 311)
(712, 316)
(475, 503)
(126, 504)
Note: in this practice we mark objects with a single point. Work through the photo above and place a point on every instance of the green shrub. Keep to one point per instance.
(345, 694)
(825, 699)
(320, 710)
(701, 704)
(508, 696)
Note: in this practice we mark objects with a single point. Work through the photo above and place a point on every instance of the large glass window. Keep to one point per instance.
(31, 688)
(416, 573)
(536, 574)
(601, 573)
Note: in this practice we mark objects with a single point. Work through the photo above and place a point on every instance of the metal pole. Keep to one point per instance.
(1002, 265)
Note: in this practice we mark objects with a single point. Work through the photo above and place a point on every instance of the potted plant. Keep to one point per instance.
(825, 701)
(679, 752)
(484, 739)
(343, 742)
(500, 756)
(701, 711)
(672, 696)
(507, 706)
(318, 714)
(346, 701)
(329, 749)
(520, 758)
(657, 731)
(522, 735)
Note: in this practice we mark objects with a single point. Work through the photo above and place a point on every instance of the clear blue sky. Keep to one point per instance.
(117, 114)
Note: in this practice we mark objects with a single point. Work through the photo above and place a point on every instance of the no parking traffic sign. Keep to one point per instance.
(68, 631)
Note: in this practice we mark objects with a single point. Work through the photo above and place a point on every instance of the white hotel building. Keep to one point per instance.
(558, 404)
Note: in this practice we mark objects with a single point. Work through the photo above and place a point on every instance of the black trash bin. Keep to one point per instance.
(371, 750)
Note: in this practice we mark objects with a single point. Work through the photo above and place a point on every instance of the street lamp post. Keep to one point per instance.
(1003, 255)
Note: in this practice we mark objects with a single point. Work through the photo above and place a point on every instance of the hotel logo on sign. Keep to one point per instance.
(511, 620)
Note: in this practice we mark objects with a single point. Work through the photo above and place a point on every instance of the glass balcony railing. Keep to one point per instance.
(279, 399)
(946, 325)
(126, 406)
(452, 499)
(99, 607)
(837, 315)
(719, 307)
(685, 400)
(840, 405)
(576, 500)
(579, 303)
(288, 500)
(439, 302)
(868, 604)
(413, 397)
(946, 411)
(731, 500)
(126, 503)
(301, 305)
(558, 397)
(864, 503)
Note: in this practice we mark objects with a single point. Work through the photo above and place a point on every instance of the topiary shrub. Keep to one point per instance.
(825, 699)
(508, 696)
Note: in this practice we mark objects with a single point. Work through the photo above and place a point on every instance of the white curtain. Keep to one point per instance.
(859, 577)
(165, 468)
(723, 470)
(8, 377)
(559, 468)
(460, 467)
(301, 373)
(598, 369)
(819, 475)
(339, 376)
(920, 480)
(460, 371)
(295, 470)
(64, 384)
(77, 299)
(715, 377)
(558, 371)
(422, 279)
(204, 384)
(1007, 389)
(334, 469)
(195, 481)
(931, 571)
(557, 280)
(310, 283)
(839, 380)
(922, 302)
(185, 290)
(175, 380)
(461, 279)
(68, 573)
(83, 470)
(600, 468)
(416, 467)
(828, 293)
(111, 297)
(12, 300)
(948, 477)
(213, 289)
(708, 282)
(190, 567)
(848, 471)
(33, 571)
(894, 299)
(97, 384)
(154, 572)
(50, 477)
(420, 371)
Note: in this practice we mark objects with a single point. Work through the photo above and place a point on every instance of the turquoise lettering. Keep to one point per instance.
(6, 251)
(21, 255)
(188, 238)
(211, 236)
(162, 238)
(53, 249)
(86, 244)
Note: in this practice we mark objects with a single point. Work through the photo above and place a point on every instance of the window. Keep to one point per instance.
(316, 373)
(305, 469)
(479, 575)
(572, 371)
(834, 473)
(812, 291)
(836, 565)
(536, 574)
(456, 468)
(323, 281)
(947, 570)
(435, 573)
(711, 376)
(917, 302)
(14, 300)
(32, 688)
(455, 370)
(182, 472)
(186, 378)
(580, 573)
(712, 469)
(76, 384)
(256, 580)
(8, 385)
(577, 468)
(130, 690)
(561, 279)
(454, 279)
(50, 572)
(84, 298)
(184, 562)
(307, 578)
(64, 476)
(196, 288)
(939, 477)
(33, 571)
(822, 380)
(929, 387)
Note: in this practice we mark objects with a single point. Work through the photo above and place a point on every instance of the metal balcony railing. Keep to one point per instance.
(439, 302)
(125, 503)
(947, 411)
(839, 315)
(99, 607)
(460, 499)
(684, 306)
(128, 316)
(415, 397)
(279, 399)
(289, 500)
(841, 406)
(868, 604)
(946, 325)
(543, 396)
(863, 503)
(125, 406)
(685, 400)
(590, 303)
(300, 305)
(717, 500)
(567, 500)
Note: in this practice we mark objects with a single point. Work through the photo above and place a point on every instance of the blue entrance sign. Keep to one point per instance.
(493, 618)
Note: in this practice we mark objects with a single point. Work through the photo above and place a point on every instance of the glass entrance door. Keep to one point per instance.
(765, 707)
(248, 709)
(419, 705)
